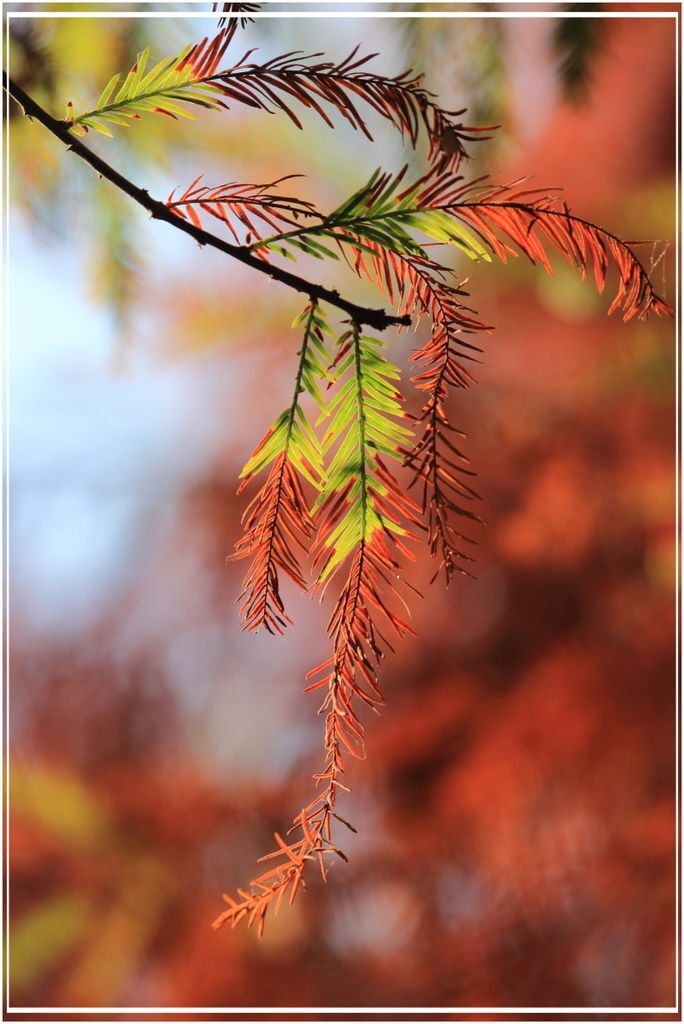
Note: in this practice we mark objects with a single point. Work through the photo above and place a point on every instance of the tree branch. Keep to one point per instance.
(378, 319)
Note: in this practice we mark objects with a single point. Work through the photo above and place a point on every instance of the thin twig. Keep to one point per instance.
(378, 319)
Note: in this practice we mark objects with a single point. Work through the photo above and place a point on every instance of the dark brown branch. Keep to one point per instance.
(378, 319)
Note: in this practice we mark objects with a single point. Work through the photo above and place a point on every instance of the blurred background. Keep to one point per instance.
(516, 807)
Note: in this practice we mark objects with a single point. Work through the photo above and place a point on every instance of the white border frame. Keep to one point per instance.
(348, 1011)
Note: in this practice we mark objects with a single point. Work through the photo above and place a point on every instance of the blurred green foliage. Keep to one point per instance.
(59, 803)
(576, 42)
(45, 934)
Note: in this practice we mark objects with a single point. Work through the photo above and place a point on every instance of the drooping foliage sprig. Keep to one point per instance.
(335, 510)
(278, 520)
(378, 232)
(362, 518)
(280, 84)
(362, 511)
